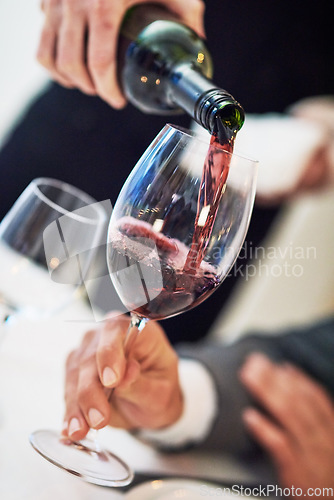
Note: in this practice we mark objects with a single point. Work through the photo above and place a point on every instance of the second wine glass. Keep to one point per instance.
(47, 242)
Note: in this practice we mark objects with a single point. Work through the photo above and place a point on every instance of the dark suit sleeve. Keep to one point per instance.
(311, 349)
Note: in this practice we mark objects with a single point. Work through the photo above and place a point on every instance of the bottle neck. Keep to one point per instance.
(199, 97)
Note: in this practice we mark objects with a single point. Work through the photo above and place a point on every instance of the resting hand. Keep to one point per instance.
(68, 23)
(298, 428)
(145, 385)
(318, 110)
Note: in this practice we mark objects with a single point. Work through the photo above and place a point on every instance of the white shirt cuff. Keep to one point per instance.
(200, 409)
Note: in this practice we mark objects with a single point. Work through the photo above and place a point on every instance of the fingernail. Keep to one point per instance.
(250, 416)
(74, 426)
(253, 366)
(118, 103)
(257, 357)
(95, 417)
(109, 377)
(256, 362)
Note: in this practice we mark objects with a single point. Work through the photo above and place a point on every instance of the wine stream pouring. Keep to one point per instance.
(165, 67)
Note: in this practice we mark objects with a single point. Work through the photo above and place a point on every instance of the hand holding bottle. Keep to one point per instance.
(91, 66)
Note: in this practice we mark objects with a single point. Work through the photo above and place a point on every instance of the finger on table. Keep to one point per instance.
(271, 437)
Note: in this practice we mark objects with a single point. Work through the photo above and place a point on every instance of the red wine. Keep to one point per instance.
(181, 292)
(212, 188)
(148, 272)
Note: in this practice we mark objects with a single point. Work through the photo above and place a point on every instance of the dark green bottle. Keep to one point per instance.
(165, 68)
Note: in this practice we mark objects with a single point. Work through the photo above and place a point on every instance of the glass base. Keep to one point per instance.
(83, 459)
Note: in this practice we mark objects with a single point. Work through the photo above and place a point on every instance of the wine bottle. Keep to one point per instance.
(165, 68)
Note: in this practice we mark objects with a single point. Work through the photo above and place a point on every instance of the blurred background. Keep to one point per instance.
(21, 76)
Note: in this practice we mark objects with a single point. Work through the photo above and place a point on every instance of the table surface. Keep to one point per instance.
(32, 356)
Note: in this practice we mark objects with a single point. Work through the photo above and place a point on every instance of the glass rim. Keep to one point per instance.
(191, 133)
(69, 188)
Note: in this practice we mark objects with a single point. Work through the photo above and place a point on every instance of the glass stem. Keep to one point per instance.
(136, 325)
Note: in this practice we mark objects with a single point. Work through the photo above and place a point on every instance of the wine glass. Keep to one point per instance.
(178, 224)
(51, 231)
(174, 234)
(48, 241)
